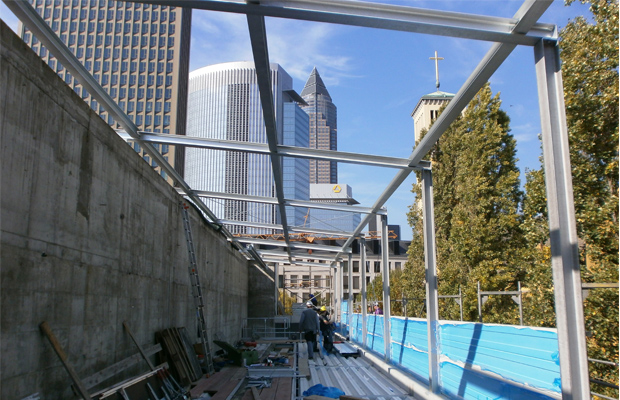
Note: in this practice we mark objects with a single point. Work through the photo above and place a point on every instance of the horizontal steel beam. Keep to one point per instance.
(292, 245)
(286, 151)
(287, 202)
(383, 16)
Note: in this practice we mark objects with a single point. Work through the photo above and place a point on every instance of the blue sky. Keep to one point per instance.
(375, 78)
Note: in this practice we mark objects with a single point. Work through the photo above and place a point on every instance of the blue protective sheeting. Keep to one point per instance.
(523, 355)
(478, 361)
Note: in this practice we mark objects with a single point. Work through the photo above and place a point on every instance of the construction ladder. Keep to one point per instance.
(197, 290)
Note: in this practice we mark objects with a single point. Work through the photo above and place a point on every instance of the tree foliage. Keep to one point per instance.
(477, 224)
(589, 52)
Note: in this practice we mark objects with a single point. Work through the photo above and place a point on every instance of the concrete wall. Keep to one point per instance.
(91, 237)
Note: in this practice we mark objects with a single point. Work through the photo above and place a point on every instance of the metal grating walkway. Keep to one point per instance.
(353, 375)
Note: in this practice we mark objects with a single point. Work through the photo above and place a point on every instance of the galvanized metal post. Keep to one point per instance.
(340, 292)
(350, 293)
(277, 291)
(364, 302)
(430, 260)
(562, 225)
(520, 303)
(479, 304)
(386, 289)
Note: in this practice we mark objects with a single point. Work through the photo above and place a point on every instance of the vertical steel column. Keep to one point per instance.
(340, 288)
(430, 260)
(275, 284)
(350, 294)
(387, 337)
(562, 225)
(364, 302)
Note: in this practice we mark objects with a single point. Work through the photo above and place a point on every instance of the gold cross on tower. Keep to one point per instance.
(436, 68)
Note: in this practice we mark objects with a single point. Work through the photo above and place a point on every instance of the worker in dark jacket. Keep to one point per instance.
(326, 329)
(309, 325)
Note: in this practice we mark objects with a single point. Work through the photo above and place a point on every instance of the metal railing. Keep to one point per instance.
(267, 328)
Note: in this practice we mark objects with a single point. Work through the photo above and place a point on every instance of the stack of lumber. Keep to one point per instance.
(180, 354)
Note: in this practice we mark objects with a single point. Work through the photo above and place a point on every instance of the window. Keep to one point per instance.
(145, 29)
(114, 79)
(166, 120)
(356, 266)
(169, 67)
(124, 69)
(305, 281)
(132, 79)
(377, 266)
(168, 93)
(345, 283)
(132, 93)
(170, 54)
(293, 281)
(168, 80)
(140, 94)
(167, 106)
(173, 16)
(356, 282)
(130, 106)
(148, 120)
(138, 119)
(123, 80)
(104, 79)
(157, 123)
(141, 80)
(151, 80)
(122, 93)
(171, 29)
(317, 281)
(160, 80)
(158, 106)
(136, 29)
(149, 94)
(171, 42)
(114, 66)
(99, 40)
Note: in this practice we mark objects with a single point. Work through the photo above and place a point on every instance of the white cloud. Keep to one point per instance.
(297, 46)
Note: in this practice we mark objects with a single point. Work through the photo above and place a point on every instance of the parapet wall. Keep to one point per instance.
(91, 237)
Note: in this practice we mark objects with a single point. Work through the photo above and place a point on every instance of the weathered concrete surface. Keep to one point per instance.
(91, 237)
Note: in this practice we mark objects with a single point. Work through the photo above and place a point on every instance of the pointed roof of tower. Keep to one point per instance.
(315, 85)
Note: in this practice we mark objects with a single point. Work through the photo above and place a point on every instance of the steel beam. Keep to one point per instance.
(258, 40)
(382, 16)
(350, 292)
(430, 261)
(362, 243)
(562, 225)
(387, 309)
(526, 16)
(291, 245)
(287, 151)
(287, 202)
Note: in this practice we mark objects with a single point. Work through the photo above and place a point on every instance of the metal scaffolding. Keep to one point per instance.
(506, 34)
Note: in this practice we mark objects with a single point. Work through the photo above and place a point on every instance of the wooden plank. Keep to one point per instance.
(255, 393)
(126, 326)
(118, 367)
(175, 358)
(63, 358)
(226, 390)
(285, 387)
(191, 354)
(178, 342)
(218, 380)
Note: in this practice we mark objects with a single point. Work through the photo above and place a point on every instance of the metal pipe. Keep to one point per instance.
(387, 337)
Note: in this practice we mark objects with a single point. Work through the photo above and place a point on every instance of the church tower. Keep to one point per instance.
(427, 109)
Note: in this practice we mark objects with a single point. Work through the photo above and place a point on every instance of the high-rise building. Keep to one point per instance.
(338, 194)
(224, 103)
(139, 53)
(323, 127)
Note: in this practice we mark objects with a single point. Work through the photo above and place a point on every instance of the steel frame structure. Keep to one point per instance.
(506, 33)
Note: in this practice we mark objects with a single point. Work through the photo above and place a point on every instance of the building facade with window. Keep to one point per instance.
(427, 110)
(139, 53)
(299, 281)
(224, 103)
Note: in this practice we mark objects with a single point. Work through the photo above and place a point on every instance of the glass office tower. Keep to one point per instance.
(224, 103)
(323, 127)
(139, 53)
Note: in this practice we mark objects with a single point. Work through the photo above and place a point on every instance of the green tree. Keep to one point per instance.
(477, 223)
(589, 52)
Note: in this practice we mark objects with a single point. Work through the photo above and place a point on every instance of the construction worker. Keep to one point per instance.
(326, 329)
(309, 325)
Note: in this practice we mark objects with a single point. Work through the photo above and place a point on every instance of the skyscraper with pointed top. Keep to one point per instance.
(323, 127)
